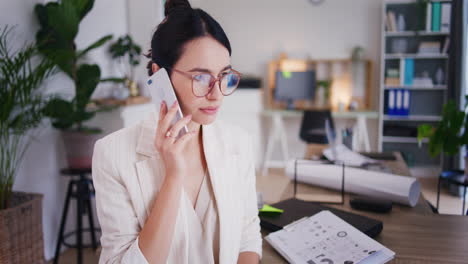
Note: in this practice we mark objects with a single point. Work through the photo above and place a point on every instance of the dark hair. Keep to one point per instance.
(181, 25)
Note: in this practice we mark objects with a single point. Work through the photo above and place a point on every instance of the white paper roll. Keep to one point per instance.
(399, 189)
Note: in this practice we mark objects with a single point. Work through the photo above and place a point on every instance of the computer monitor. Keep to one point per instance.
(292, 86)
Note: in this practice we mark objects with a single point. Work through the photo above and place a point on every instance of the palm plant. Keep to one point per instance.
(59, 24)
(21, 106)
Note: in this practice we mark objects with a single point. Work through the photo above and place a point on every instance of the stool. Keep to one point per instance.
(456, 177)
(82, 190)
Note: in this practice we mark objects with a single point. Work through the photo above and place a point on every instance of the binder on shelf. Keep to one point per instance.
(445, 17)
(436, 16)
(391, 102)
(429, 17)
(399, 102)
(406, 102)
(409, 71)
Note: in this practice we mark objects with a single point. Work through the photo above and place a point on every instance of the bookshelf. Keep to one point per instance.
(414, 65)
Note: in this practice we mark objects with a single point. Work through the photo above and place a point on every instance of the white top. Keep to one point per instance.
(203, 225)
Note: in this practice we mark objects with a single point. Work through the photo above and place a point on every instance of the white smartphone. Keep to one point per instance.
(161, 89)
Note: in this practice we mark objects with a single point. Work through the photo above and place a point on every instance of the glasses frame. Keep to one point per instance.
(214, 78)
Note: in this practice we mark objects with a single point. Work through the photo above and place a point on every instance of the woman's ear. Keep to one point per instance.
(155, 67)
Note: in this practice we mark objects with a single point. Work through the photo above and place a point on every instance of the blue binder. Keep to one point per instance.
(406, 102)
(391, 102)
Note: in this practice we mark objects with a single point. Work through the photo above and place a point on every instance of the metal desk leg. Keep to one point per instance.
(464, 198)
(278, 133)
(438, 194)
(361, 137)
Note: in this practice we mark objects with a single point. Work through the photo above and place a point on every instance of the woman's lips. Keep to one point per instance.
(209, 110)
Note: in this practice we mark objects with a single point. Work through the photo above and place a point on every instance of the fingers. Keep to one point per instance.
(175, 129)
(180, 143)
(169, 116)
(160, 133)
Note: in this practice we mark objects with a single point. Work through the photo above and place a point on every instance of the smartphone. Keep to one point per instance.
(161, 89)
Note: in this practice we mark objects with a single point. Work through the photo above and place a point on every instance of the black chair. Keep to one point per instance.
(314, 126)
(456, 178)
(82, 190)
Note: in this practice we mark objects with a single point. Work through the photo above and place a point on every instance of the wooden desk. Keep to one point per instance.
(277, 133)
(415, 234)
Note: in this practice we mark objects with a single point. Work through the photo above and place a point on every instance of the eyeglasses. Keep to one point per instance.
(203, 83)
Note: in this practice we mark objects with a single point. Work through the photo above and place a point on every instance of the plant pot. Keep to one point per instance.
(21, 238)
(79, 148)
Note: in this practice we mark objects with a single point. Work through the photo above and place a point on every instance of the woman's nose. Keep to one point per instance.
(215, 93)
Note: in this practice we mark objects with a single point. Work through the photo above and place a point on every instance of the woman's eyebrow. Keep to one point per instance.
(208, 71)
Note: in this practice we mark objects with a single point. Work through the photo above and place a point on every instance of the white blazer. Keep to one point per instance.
(128, 172)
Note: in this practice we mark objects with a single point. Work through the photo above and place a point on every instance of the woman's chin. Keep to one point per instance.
(204, 119)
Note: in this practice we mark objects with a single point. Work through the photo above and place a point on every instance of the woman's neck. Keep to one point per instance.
(197, 139)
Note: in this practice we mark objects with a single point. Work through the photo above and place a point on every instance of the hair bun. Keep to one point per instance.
(171, 5)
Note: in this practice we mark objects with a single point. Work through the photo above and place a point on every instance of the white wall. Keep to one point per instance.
(259, 30)
(39, 171)
(262, 29)
(144, 17)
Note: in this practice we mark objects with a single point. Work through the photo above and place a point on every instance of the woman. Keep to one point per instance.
(163, 199)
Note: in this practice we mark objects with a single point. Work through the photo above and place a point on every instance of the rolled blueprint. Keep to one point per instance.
(399, 189)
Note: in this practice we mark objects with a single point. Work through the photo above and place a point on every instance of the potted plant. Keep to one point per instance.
(127, 53)
(450, 134)
(21, 104)
(59, 24)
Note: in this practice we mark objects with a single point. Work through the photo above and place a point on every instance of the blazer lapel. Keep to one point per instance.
(150, 170)
(220, 161)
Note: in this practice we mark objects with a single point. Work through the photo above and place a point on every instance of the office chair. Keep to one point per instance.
(314, 131)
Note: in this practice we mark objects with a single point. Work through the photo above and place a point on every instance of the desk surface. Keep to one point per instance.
(337, 114)
(415, 234)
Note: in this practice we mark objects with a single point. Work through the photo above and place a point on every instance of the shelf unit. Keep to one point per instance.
(398, 133)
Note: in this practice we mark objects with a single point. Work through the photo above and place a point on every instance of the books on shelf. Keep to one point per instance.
(393, 73)
(438, 17)
(429, 18)
(445, 48)
(391, 22)
(435, 16)
(408, 71)
(392, 81)
(398, 102)
(429, 47)
(423, 82)
(445, 17)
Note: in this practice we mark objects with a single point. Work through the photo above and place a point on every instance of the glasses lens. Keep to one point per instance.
(229, 83)
(201, 84)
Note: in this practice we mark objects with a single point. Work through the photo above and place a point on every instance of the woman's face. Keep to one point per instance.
(201, 55)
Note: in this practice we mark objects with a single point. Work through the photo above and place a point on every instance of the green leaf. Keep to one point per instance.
(82, 7)
(58, 108)
(88, 77)
(81, 116)
(114, 80)
(425, 131)
(95, 45)
(64, 20)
